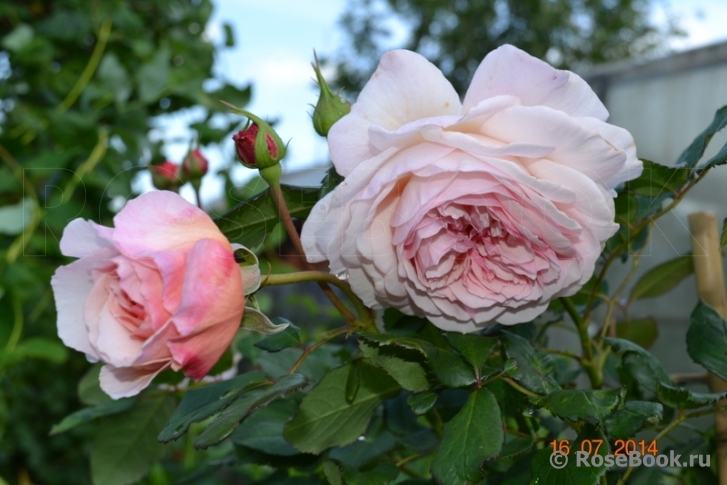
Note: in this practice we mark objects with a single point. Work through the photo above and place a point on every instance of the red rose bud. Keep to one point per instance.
(195, 165)
(258, 145)
(165, 176)
(330, 107)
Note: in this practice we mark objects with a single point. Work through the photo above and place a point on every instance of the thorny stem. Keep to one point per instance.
(279, 200)
(309, 350)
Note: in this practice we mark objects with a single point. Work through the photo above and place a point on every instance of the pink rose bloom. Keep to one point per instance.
(159, 290)
(475, 212)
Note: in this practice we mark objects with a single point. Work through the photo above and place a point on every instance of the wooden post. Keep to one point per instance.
(711, 290)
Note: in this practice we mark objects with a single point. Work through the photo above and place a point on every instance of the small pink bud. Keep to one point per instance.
(258, 146)
(166, 175)
(195, 164)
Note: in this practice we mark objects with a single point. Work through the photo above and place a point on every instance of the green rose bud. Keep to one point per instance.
(330, 107)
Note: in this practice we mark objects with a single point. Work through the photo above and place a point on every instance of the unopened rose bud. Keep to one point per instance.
(195, 165)
(258, 145)
(330, 107)
(165, 176)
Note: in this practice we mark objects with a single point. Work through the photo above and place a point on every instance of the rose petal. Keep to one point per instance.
(120, 382)
(81, 238)
(159, 222)
(211, 308)
(508, 70)
(71, 285)
(405, 88)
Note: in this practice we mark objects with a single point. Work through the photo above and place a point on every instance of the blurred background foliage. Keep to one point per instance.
(457, 34)
(83, 86)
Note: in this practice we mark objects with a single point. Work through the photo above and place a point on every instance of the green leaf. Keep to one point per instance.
(153, 76)
(37, 348)
(232, 94)
(536, 367)
(476, 349)
(658, 179)
(544, 473)
(626, 422)
(353, 382)
(19, 38)
(403, 342)
(516, 446)
(326, 419)
(85, 415)
(639, 363)
(470, 437)
(662, 278)
(363, 451)
(114, 77)
(257, 321)
(250, 222)
(421, 403)
(707, 339)
(15, 217)
(89, 389)
(585, 404)
(379, 473)
(199, 404)
(332, 472)
(643, 331)
(231, 417)
(125, 447)
(450, 369)
(405, 366)
(694, 152)
(681, 398)
(229, 39)
(289, 337)
(250, 269)
(330, 182)
(263, 430)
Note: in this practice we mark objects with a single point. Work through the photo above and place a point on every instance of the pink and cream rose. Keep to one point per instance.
(476, 211)
(159, 290)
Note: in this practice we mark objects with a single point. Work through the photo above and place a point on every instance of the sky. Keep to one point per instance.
(274, 47)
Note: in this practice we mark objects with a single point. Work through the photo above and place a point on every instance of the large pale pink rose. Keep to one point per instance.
(159, 290)
(474, 212)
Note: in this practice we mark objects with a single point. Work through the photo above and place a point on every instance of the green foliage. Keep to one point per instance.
(629, 420)
(82, 87)
(290, 337)
(456, 36)
(85, 415)
(707, 339)
(587, 405)
(472, 436)
(326, 418)
(200, 404)
(234, 413)
(126, 447)
(252, 221)
(535, 367)
(662, 278)
(681, 398)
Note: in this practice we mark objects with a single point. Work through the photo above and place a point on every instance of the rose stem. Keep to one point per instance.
(279, 200)
(309, 350)
(300, 276)
(582, 327)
